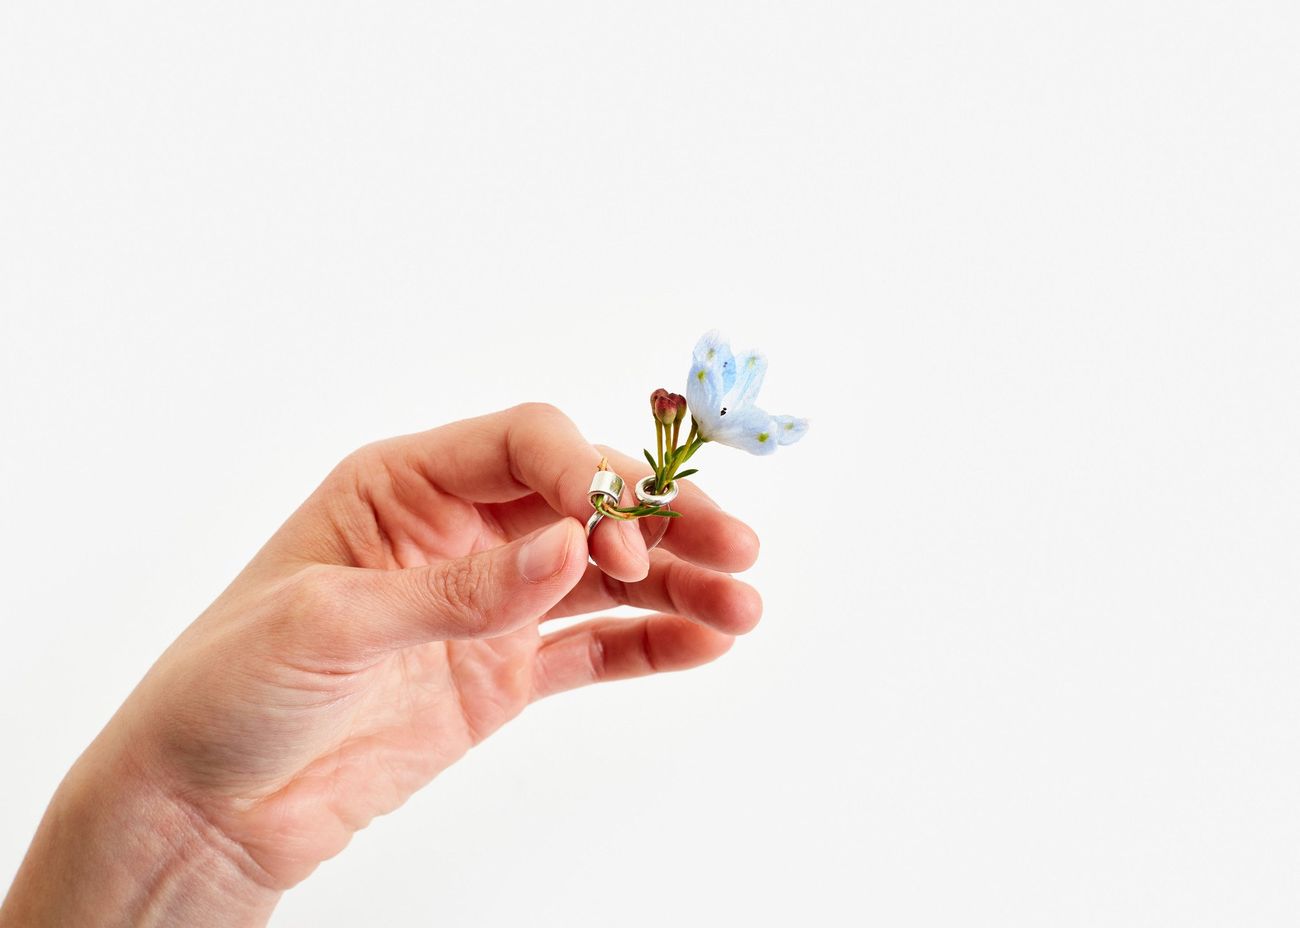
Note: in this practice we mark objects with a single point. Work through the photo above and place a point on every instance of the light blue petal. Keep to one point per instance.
(714, 350)
(790, 429)
(749, 429)
(751, 366)
(704, 396)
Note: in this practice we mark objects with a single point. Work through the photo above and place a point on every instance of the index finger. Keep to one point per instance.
(529, 448)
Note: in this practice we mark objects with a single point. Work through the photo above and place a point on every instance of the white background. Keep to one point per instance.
(1030, 651)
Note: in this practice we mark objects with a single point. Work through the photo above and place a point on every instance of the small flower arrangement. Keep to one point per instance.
(721, 390)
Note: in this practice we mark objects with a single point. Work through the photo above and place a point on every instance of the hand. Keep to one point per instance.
(393, 622)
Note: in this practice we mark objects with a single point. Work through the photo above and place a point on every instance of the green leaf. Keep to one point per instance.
(651, 458)
(686, 473)
(672, 514)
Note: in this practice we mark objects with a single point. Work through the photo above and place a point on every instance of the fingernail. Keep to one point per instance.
(543, 555)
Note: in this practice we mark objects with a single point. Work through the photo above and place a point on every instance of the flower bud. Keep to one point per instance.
(663, 406)
(681, 406)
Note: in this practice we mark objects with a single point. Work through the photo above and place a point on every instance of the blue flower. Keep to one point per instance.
(721, 392)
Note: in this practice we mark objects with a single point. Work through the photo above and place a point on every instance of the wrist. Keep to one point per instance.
(114, 849)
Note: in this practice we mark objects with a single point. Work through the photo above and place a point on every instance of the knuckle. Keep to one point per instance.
(596, 658)
(646, 646)
(538, 407)
(679, 584)
(353, 466)
(459, 587)
(312, 592)
(301, 605)
(311, 588)
(366, 457)
(535, 410)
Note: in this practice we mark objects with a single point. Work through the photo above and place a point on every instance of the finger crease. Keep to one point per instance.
(596, 655)
(647, 646)
(672, 578)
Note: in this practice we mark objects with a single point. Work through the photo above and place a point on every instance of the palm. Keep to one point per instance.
(392, 726)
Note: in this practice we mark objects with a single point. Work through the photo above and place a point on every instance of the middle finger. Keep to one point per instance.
(673, 585)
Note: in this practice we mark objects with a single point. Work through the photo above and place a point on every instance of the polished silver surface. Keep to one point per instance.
(642, 490)
(608, 484)
(592, 521)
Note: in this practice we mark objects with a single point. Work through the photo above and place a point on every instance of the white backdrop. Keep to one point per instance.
(1029, 652)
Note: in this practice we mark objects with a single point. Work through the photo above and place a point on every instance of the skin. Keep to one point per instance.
(387, 627)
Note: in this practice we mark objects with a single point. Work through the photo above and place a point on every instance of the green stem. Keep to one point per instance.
(669, 464)
(625, 513)
(679, 456)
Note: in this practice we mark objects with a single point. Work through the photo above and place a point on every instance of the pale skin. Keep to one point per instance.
(398, 618)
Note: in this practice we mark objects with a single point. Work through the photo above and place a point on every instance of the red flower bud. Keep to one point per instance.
(681, 406)
(663, 406)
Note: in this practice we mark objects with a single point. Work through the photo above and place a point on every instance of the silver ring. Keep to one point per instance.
(642, 490)
(608, 484)
(604, 483)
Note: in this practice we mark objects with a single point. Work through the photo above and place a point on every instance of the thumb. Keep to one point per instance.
(479, 595)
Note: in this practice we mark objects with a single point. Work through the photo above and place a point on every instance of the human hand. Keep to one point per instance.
(394, 621)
